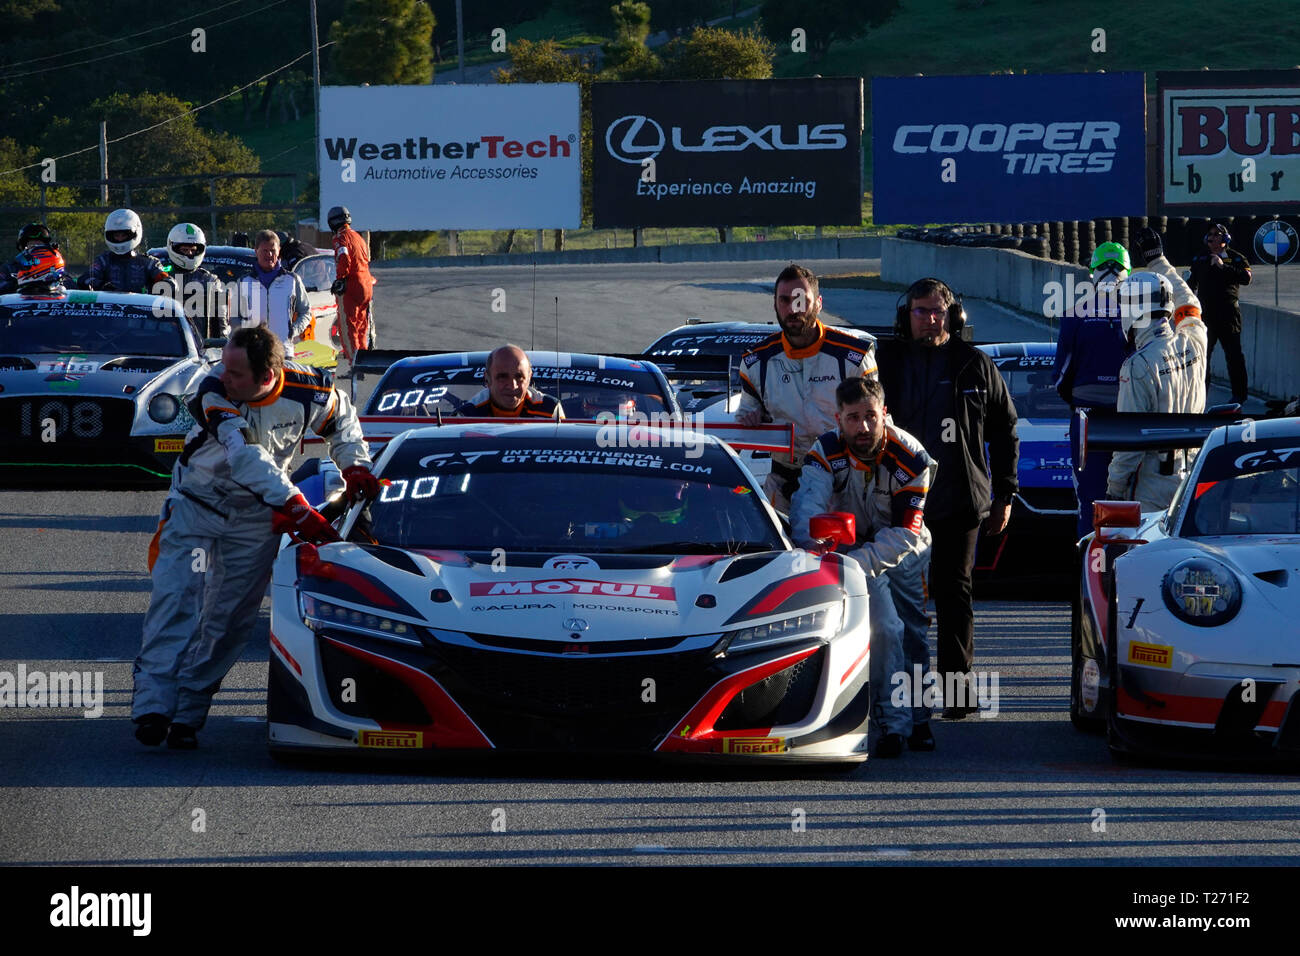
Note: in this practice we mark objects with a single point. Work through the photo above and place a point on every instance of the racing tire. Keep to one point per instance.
(1078, 717)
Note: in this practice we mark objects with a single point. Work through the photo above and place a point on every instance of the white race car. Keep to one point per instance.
(1185, 637)
(93, 385)
(560, 587)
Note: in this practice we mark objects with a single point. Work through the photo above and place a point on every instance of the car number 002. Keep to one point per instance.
(87, 419)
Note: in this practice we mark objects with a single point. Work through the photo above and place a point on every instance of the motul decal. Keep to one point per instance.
(648, 592)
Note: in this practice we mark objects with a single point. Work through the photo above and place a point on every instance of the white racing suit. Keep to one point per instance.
(1166, 373)
(212, 554)
(798, 386)
(887, 499)
(283, 307)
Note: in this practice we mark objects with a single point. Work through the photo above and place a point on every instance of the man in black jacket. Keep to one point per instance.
(1216, 276)
(951, 396)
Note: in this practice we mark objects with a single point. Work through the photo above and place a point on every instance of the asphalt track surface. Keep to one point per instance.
(1020, 787)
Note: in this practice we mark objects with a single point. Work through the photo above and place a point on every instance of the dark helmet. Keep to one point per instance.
(337, 217)
(35, 231)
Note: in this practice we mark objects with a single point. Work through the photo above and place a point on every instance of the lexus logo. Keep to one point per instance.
(631, 139)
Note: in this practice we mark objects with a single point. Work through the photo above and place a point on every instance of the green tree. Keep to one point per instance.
(824, 20)
(383, 43)
(626, 56)
(709, 53)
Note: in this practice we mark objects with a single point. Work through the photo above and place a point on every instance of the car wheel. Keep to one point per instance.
(1078, 716)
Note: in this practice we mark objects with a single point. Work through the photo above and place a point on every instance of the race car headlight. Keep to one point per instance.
(1203, 592)
(318, 615)
(164, 408)
(824, 624)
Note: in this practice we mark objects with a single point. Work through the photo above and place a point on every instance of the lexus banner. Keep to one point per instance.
(727, 153)
(452, 157)
(1229, 142)
(1008, 148)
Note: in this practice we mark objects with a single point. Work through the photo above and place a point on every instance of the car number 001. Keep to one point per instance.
(86, 419)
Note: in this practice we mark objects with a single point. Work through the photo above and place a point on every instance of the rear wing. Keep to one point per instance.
(1155, 431)
(772, 438)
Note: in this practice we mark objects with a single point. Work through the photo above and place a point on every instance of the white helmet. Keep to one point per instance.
(1143, 298)
(186, 234)
(123, 220)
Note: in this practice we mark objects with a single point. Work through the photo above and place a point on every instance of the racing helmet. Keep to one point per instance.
(186, 234)
(35, 232)
(338, 215)
(1114, 254)
(657, 498)
(40, 270)
(122, 221)
(622, 405)
(1143, 297)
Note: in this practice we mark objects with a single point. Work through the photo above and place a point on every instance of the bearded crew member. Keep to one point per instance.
(792, 375)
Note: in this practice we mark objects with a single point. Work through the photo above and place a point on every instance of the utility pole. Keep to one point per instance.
(315, 74)
(460, 43)
(103, 162)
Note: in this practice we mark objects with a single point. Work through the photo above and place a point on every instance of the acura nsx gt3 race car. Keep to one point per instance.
(1185, 636)
(95, 381)
(527, 587)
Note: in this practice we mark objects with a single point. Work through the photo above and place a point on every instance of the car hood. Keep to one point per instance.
(105, 374)
(602, 599)
(1268, 565)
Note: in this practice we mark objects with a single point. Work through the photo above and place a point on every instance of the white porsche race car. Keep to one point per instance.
(1185, 637)
(540, 587)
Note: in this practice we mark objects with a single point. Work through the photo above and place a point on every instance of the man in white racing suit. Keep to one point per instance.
(229, 500)
(880, 474)
(1161, 318)
(791, 376)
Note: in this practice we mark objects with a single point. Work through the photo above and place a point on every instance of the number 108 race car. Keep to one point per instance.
(541, 587)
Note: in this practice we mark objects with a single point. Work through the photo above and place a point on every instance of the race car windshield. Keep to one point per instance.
(560, 497)
(1259, 502)
(583, 392)
(1030, 383)
(59, 326)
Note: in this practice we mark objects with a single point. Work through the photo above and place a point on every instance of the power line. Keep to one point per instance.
(147, 46)
(130, 36)
(172, 119)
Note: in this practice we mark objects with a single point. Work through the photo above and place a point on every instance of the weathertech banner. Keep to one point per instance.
(727, 153)
(452, 157)
(1008, 148)
(1229, 142)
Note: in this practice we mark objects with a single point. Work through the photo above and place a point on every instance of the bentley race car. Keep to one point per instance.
(530, 586)
(1184, 637)
(95, 381)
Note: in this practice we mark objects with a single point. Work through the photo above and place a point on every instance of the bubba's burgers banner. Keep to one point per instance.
(452, 157)
(1229, 142)
(727, 153)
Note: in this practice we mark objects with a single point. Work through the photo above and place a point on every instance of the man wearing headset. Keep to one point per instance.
(951, 397)
(1216, 276)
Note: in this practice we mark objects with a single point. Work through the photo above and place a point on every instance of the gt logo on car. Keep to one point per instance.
(753, 745)
(391, 739)
(1151, 655)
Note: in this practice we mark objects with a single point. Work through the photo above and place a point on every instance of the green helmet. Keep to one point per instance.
(1111, 252)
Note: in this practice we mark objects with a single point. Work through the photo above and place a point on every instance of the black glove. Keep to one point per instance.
(1147, 246)
(339, 285)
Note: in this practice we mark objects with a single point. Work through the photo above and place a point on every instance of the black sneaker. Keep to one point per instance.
(181, 737)
(890, 745)
(921, 739)
(151, 729)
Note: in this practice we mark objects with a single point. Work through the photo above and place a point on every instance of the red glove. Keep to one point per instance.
(299, 519)
(361, 483)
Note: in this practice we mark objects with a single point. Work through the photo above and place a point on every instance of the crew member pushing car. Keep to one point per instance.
(229, 500)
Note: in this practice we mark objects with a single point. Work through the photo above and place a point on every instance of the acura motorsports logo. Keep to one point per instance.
(636, 138)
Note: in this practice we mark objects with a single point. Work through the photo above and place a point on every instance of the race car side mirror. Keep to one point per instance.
(835, 527)
(1116, 514)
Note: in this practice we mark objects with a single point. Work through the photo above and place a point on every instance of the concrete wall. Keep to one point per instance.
(794, 250)
(1270, 337)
